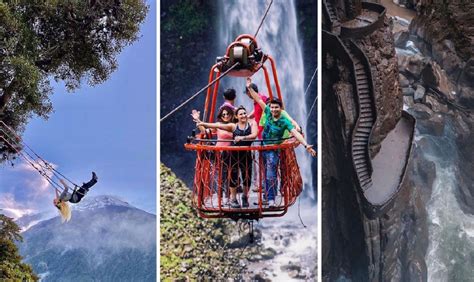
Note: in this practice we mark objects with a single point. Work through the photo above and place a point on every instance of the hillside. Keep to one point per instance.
(106, 240)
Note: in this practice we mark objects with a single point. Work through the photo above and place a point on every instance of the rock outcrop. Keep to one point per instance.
(445, 32)
(390, 245)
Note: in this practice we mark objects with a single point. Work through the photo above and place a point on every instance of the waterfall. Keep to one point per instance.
(277, 37)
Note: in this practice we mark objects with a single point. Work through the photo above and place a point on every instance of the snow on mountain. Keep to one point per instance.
(97, 202)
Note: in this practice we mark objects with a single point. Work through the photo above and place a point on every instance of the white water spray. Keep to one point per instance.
(451, 231)
(277, 37)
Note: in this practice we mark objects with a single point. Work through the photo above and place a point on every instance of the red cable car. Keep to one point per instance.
(214, 168)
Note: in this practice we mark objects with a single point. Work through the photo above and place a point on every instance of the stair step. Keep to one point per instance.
(359, 158)
(360, 164)
(357, 142)
(362, 135)
(358, 149)
(360, 140)
(362, 170)
(367, 185)
(365, 178)
(363, 129)
(366, 124)
(365, 141)
(364, 175)
(366, 119)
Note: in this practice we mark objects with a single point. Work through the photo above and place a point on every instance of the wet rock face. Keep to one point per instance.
(447, 34)
(184, 63)
(445, 30)
(341, 217)
(380, 50)
(465, 143)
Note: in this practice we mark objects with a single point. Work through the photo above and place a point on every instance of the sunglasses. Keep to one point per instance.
(225, 114)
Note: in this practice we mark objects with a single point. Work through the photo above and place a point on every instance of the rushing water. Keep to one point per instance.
(450, 254)
(294, 244)
(451, 232)
(278, 37)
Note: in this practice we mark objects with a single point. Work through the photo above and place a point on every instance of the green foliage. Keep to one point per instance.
(192, 248)
(8, 229)
(11, 267)
(69, 41)
(186, 19)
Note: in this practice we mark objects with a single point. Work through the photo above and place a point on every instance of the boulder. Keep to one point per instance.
(419, 93)
(404, 82)
(401, 38)
(408, 91)
(428, 76)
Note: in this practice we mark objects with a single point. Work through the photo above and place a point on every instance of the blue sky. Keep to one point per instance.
(109, 128)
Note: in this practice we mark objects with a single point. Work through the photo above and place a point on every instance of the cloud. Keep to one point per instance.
(23, 190)
(10, 207)
(30, 177)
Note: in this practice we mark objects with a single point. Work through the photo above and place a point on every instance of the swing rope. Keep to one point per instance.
(30, 161)
(47, 165)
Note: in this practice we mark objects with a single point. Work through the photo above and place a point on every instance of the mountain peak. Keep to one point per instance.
(89, 203)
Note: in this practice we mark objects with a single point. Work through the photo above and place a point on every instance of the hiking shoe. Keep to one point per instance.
(245, 202)
(234, 204)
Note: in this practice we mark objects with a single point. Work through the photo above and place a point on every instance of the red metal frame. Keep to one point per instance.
(209, 168)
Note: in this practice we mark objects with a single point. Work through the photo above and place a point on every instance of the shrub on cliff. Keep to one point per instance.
(191, 247)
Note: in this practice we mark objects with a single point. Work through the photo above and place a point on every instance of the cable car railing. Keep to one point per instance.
(218, 168)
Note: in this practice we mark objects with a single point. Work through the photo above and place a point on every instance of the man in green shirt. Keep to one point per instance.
(273, 132)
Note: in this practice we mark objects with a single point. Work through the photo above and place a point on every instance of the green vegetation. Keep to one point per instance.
(191, 248)
(186, 19)
(68, 41)
(11, 267)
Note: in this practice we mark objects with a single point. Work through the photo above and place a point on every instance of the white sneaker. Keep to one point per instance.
(271, 204)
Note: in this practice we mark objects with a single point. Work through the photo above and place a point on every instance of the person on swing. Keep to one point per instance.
(60, 202)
